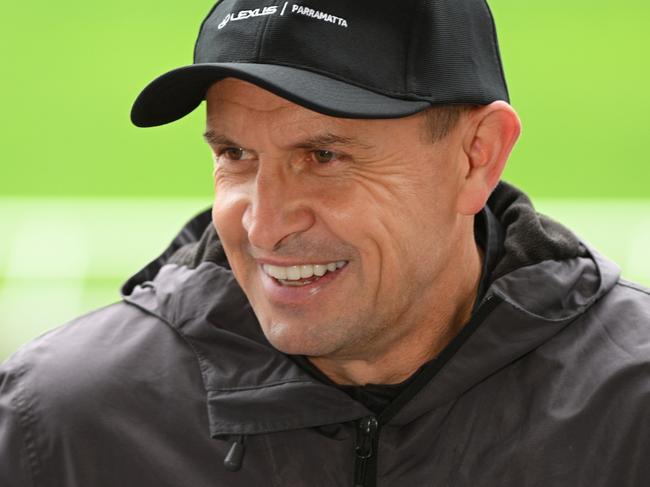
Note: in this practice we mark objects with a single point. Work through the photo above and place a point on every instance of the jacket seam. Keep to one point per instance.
(579, 311)
(633, 287)
(200, 361)
(516, 266)
(26, 421)
(289, 421)
(276, 479)
(197, 356)
(262, 386)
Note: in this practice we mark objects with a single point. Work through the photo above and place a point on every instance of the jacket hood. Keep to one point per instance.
(545, 279)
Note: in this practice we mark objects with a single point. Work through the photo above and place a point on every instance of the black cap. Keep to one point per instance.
(351, 59)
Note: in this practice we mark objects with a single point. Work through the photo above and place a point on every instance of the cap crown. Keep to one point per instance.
(441, 51)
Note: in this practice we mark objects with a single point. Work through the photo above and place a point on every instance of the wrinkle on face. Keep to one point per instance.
(387, 207)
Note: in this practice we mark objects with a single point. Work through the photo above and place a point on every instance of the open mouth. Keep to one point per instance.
(301, 275)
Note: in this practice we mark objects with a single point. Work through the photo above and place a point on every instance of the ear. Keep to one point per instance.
(491, 133)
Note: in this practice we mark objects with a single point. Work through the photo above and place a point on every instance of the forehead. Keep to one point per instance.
(239, 106)
(244, 94)
(234, 105)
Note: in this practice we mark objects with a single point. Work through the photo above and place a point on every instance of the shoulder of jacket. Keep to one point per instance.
(628, 301)
(75, 368)
(634, 287)
(617, 327)
(64, 343)
(95, 377)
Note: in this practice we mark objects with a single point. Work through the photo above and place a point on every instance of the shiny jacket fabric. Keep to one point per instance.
(547, 385)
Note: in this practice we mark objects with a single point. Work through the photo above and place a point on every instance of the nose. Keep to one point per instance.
(278, 209)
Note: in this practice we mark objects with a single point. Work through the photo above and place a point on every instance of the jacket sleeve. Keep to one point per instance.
(18, 458)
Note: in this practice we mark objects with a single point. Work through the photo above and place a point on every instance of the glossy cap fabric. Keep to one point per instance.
(361, 59)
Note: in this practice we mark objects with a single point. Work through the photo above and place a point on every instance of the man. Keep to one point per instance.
(365, 305)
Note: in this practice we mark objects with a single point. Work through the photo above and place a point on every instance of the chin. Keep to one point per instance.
(294, 339)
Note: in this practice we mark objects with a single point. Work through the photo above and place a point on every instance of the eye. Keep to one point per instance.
(232, 153)
(324, 156)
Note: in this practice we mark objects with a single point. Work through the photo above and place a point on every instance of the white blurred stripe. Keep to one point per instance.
(50, 248)
(96, 237)
(619, 229)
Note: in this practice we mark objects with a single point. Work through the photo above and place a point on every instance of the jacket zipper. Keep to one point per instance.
(365, 474)
(365, 449)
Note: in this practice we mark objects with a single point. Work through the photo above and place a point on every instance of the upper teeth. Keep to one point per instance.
(295, 272)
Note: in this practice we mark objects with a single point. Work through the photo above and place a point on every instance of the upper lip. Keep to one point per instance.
(294, 262)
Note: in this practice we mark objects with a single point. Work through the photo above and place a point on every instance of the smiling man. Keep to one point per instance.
(366, 303)
(322, 221)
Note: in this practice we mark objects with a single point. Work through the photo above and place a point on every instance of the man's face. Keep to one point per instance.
(339, 231)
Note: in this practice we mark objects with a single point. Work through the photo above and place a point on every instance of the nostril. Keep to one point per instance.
(267, 229)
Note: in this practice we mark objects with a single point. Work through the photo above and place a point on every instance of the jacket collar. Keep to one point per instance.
(522, 311)
(546, 279)
(251, 388)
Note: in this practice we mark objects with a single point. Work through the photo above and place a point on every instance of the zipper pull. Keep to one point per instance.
(235, 456)
(366, 434)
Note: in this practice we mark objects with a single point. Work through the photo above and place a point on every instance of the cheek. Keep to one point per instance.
(389, 211)
(230, 202)
(403, 227)
(226, 216)
(367, 217)
(227, 213)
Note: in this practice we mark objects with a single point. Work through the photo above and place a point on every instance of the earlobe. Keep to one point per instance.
(491, 135)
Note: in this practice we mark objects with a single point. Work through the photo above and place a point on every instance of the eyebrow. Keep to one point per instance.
(328, 139)
(213, 138)
(315, 142)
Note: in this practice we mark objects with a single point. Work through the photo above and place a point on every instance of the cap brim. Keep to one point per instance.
(178, 92)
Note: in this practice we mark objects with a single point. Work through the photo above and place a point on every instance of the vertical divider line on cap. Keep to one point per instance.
(409, 48)
(260, 37)
(196, 43)
(496, 51)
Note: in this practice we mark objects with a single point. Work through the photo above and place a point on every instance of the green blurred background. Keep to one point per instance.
(86, 198)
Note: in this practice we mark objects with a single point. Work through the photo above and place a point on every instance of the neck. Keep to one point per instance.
(451, 308)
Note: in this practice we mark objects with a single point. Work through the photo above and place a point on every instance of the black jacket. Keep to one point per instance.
(547, 385)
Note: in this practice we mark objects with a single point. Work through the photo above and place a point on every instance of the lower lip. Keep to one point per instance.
(281, 294)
